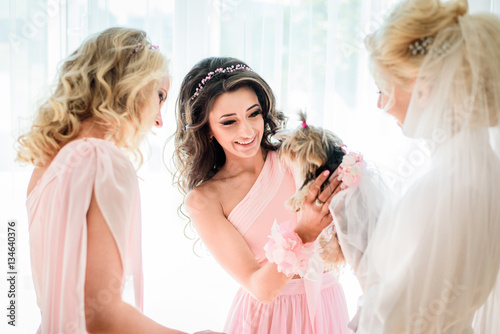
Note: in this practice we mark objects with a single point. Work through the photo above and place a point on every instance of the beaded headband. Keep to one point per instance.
(210, 75)
(141, 46)
(420, 45)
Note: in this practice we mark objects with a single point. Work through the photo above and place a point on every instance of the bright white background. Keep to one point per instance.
(310, 52)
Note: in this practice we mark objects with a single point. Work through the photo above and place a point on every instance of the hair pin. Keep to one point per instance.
(440, 50)
(420, 46)
(140, 47)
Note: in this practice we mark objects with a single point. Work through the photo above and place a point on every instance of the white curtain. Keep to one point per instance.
(310, 52)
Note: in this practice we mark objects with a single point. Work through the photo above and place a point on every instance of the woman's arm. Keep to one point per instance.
(229, 248)
(105, 312)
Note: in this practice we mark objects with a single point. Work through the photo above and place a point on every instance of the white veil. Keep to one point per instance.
(432, 264)
(356, 211)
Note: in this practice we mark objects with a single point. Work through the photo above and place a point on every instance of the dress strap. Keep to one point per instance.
(260, 195)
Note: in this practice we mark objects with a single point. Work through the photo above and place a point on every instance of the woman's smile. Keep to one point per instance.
(246, 143)
(237, 124)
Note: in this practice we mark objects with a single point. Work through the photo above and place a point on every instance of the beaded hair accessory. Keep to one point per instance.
(441, 49)
(210, 75)
(420, 46)
(141, 46)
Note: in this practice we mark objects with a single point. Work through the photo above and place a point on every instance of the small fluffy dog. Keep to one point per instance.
(314, 150)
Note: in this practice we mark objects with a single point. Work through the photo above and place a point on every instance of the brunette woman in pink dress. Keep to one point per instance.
(235, 189)
(83, 198)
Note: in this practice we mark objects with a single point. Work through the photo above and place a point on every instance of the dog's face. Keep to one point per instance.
(333, 158)
(313, 150)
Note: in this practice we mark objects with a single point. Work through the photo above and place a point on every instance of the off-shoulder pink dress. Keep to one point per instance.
(57, 209)
(304, 307)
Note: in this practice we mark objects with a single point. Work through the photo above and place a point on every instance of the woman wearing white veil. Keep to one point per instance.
(432, 262)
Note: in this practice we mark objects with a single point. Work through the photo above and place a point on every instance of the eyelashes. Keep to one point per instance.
(227, 122)
(252, 115)
(256, 113)
(162, 96)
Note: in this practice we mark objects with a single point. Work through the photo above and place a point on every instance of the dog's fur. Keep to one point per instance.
(314, 150)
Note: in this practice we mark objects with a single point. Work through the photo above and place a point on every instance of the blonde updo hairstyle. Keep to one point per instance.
(391, 60)
(111, 78)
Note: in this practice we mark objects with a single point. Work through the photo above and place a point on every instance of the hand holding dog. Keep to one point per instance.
(315, 214)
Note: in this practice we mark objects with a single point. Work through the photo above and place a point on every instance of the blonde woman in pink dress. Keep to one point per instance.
(236, 189)
(83, 198)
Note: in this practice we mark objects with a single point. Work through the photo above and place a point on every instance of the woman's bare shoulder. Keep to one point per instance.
(203, 198)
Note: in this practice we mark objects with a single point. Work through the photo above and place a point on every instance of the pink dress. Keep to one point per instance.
(57, 209)
(304, 307)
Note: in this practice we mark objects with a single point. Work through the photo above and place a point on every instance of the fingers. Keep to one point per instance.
(316, 185)
(332, 189)
(334, 182)
(335, 192)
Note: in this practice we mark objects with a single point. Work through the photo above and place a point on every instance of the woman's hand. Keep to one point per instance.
(315, 214)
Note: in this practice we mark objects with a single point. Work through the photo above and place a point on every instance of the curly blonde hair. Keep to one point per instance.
(110, 78)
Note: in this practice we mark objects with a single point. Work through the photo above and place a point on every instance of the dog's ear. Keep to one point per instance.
(309, 154)
(296, 202)
(314, 153)
(293, 204)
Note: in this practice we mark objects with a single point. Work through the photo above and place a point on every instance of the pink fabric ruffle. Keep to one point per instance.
(285, 248)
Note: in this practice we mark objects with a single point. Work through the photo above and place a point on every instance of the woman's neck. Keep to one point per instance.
(236, 165)
(89, 128)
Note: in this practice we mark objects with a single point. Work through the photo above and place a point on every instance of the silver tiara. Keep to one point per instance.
(419, 47)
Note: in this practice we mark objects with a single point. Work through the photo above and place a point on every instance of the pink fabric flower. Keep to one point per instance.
(285, 248)
(350, 169)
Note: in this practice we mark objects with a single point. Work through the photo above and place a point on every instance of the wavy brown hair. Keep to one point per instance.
(197, 158)
(110, 78)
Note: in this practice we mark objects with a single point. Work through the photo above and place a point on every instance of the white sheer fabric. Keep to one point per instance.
(433, 262)
(310, 52)
(356, 211)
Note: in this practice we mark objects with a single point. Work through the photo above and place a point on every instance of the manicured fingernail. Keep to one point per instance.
(326, 172)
